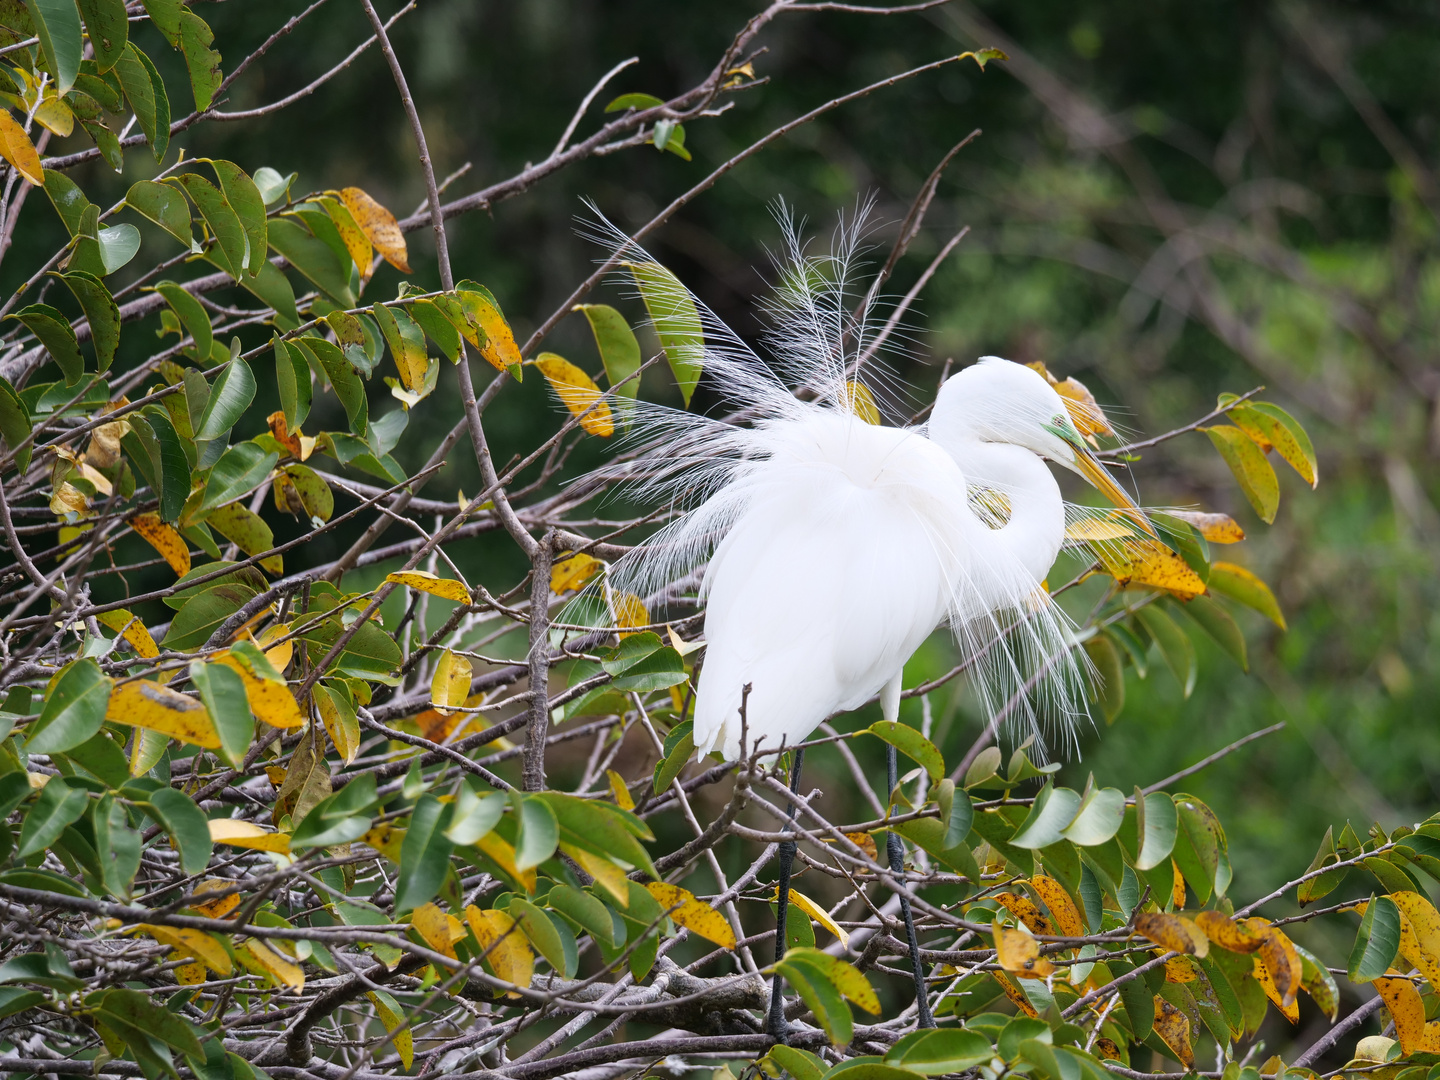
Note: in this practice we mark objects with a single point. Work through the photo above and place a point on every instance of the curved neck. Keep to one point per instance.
(1029, 541)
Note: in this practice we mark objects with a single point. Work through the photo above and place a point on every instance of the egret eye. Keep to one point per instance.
(1059, 421)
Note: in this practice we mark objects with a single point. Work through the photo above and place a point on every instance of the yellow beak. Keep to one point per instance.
(1093, 470)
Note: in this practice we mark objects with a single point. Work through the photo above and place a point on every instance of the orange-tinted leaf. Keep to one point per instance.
(221, 905)
(132, 630)
(269, 699)
(18, 150)
(439, 930)
(262, 958)
(1227, 933)
(1014, 993)
(1174, 1030)
(1024, 909)
(573, 572)
(1281, 961)
(1146, 561)
(169, 543)
(195, 943)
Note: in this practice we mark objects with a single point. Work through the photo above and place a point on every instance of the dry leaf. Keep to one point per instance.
(379, 225)
(1062, 908)
(169, 543)
(1024, 909)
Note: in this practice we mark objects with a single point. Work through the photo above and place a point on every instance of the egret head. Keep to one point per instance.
(999, 401)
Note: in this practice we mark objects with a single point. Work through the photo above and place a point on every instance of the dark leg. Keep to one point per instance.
(896, 852)
(775, 1023)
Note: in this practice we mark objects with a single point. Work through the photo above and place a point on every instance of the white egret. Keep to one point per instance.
(836, 546)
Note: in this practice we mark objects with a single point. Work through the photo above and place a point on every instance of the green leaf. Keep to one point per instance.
(823, 999)
(1216, 622)
(101, 311)
(1174, 644)
(677, 752)
(173, 464)
(438, 327)
(117, 846)
(57, 806)
(272, 186)
(229, 398)
(1253, 473)
(166, 207)
(800, 1064)
(1054, 809)
(118, 245)
(1241, 585)
(315, 494)
(1098, 819)
(912, 744)
(190, 312)
(292, 377)
(14, 1000)
(74, 710)
(15, 424)
(940, 1050)
(1377, 943)
(370, 654)
(540, 931)
(475, 815)
(136, 1010)
(241, 469)
(67, 198)
(248, 531)
(601, 829)
(957, 812)
(929, 835)
(52, 329)
(1109, 688)
(1319, 983)
(232, 250)
(424, 854)
(165, 15)
(676, 320)
(108, 30)
(57, 25)
(537, 835)
(223, 692)
(662, 668)
(202, 61)
(101, 756)
(584, 910)
(146, 94)
(312, 257)
(633, 101)
(202, 615)
(330, 364)
(868, 1068)
(1197, 844)
(341, 818)
(619, 348)
(1159, 824)
(245, 199)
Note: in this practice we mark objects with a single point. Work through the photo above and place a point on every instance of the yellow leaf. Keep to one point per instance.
(1015, 994)
(504, 855)
(1281, 961)
(191, 974)
(866, 843)
(1085, 412)
(1062, 908)
(820, 915)
(247, 834)
(18, 150)
(1174, 1030)
(1253, 472)
(150, 705)
(1174, 932)
(278, 655)
(193, 943)
(1177, 887)
(505, 946)
(630, 613)
(169, 543)
(1217, 528)
(1024, 909)
(340, 725)
(1101, 527)
(1291, 1012)
(386, 839)
(610, 877)
(388, 1011)
(578, 392)
(439, 930)
(1017, 951)
(1423, 919)
(132, 630)
(1406, 1010)
(356, 242)
(380, 226)
(494, 339)
(268, 962)
(861, 402)
(1240, 584)
(1146, 561)
(221, 905)
(1179, 969)
(451, 684)
(620, 792)
(269, 699)
(695, 915)
(573, 572)
(445, 588)
(1414, 953)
